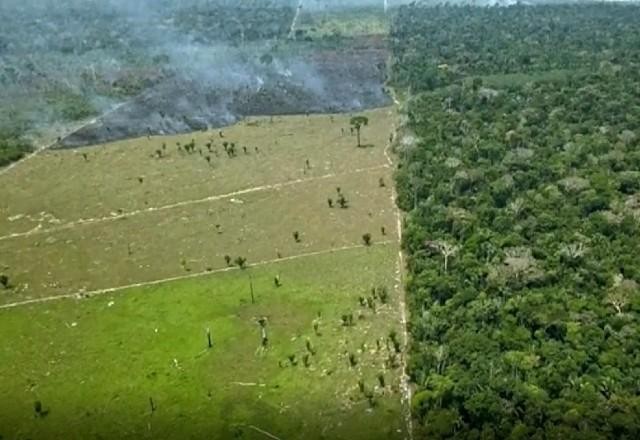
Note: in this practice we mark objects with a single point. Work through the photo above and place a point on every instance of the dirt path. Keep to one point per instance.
(45, 147)
(89, 294)
(89, 221)
(400, 289)
(294, 23)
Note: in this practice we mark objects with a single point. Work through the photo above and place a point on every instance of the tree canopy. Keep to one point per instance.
(529, 178)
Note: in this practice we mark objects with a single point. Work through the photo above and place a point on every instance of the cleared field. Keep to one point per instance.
(95, 364)
(195, 238)
(60, 186)
(127, 252)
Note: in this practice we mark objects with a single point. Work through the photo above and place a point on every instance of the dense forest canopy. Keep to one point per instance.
(442, 45)
(520, 172)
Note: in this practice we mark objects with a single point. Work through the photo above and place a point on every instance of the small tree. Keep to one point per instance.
(357, 122)
(330, 202)
(296, 236)
(241, 262)
(342, 201)
(310, 347)
(366, 238)
(227, 260)
(4, 281)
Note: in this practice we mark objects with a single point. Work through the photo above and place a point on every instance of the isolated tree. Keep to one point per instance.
(159, 153)
(330, 202)
(357, 122)
(310, 347)
(383, 230)
(366, 238)
(381, 182)
(227, 259)
(296, 236)
(208, 159)
(4, 281)
(342, 201)
(241, 262)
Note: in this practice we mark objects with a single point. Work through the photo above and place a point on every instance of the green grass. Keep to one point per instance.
(94, 363)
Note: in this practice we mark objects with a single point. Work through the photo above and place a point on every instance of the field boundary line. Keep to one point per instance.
(400, 287)
(45, 147)
(81, 294)
(275, 186)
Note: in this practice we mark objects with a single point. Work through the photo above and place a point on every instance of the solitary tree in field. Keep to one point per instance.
(296, 236)
(4, 281)
(366, 238)
(241, 262)
(357, 122)
(342, 201)
(227, 259)
(330, 202)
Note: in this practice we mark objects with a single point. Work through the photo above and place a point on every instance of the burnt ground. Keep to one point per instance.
(323, 81)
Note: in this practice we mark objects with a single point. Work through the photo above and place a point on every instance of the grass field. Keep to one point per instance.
(133, 273)
(107, 183)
